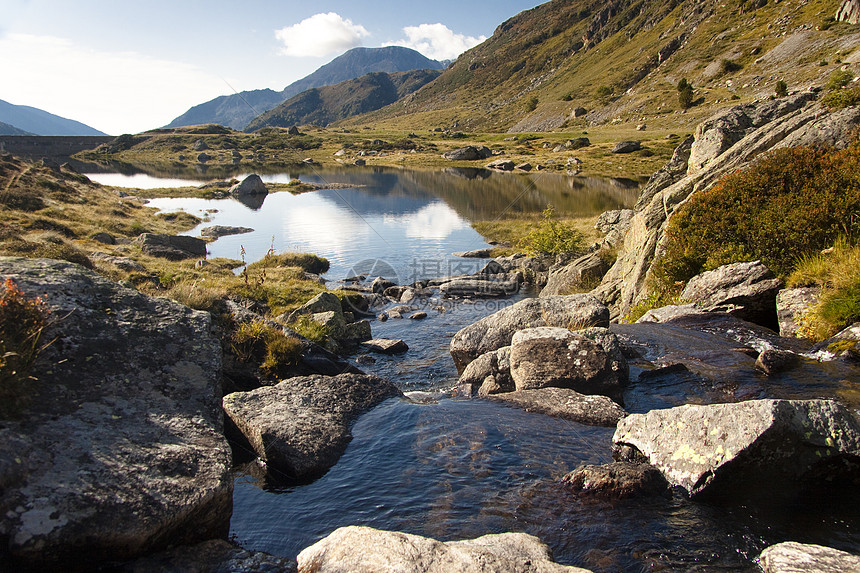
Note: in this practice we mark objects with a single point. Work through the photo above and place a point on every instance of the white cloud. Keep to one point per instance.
(116, 92)
(437, 41)
(320, 35)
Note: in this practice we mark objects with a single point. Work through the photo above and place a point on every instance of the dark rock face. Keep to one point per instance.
(745, 290)
(468, 153)
(172, 247)
(588, 361)
(617, 480)
(300, 427)
(759, 446)
(215, 556)
(565, 403)
(771, 360)
(119, 450)
(627, 146)
(588, 268)
(406, 553)
(497, 330)
(793, 557)
(250, 185)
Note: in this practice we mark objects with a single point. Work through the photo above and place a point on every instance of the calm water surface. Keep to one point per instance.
(454, 468)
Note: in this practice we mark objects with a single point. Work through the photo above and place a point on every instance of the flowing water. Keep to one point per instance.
(454, 468)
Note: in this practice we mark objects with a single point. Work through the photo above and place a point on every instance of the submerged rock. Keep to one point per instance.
(617, 480)
(761, 447)
(390, 551)
(793, 557)
(301, 426)
(385, 346)
(565, 403)
(118, 449)
(497, 330)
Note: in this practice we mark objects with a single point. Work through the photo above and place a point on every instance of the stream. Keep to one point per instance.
(451, 468)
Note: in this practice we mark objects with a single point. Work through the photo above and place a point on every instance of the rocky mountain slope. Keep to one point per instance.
(328, 104)
(622, 61)
(35, 121)
(236, 110)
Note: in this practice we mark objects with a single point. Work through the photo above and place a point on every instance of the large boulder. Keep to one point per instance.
(392, 551)
(586, 270)
(793, 557)
(468, 153)
(497, 330)
(490, 373)
(588, 361)
(759, 447)
(301, 426)
(118, 449)
(565, 403)
(617, 480)
(746, 290)
(250, 185)
(791, 304)
(172, 247)
(627, 146)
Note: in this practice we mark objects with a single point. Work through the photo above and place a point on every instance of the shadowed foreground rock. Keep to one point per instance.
(793, 557)
(119, 450)
(759, 447)
(395, 552)
(215, 556)
(300, 427)
(497, 330)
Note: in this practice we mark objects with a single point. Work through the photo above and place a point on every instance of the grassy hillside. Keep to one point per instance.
(622, 61)
(324, 105)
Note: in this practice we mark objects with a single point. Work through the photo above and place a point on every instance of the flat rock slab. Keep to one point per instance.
(395, 552)
(385, 346)
(214, 556)
(172, 247)
(301, 426)
(765, 447)
(223, 231)
(479, 287)
(119, 450)
(497, 330)
(793, 557)
(567, 404)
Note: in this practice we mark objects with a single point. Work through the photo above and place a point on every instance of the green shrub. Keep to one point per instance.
(839, 79)
(551, 237)
(842, 98)
(789, 203)
(258, 341)
(685, 93)
(781, 89)
(22, 320)
(604, 93)
(531, 104)
(729, 66)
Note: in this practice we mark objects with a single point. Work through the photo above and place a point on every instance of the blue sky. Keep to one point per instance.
(124, 67)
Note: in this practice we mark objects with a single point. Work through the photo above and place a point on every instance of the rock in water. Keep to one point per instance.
(617, 480)
(119, 449)
(565, 403)
(793, 557)
(760, 447)
(250, 185)
(392, 551)
(214, 556)
(300, 427)
(497, 330)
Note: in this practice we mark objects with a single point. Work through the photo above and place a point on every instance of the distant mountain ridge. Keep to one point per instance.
(327, 104)
(238, 109)
(6, 129)
(35, 121)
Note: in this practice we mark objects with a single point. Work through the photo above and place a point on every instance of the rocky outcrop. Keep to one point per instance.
(791, 303)
(501, 165)
(590, 410)
(326, 309)
(793, 557)
(301, 426)
(587, 269)
(497, 330)
(721, 145)
(745, 290)
(216, 231)
(468, 153)
(118, 450)
(588, 361)
(849, 11)
(627, 146)
(250, 185)
(758, 447)
(474, 254)
(172, 247)
(489, 373)
(406, 553)
(617, 480)
(214, 556)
